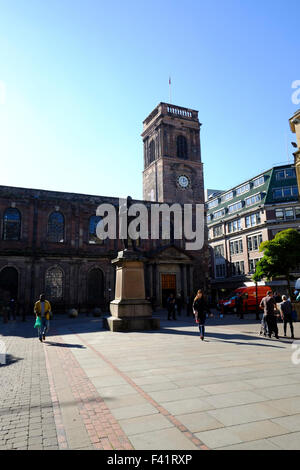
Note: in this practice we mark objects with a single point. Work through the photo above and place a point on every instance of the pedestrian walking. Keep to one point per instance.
(200, 308)
(171, 302)
(269, 305)
(286, 310)
(42, 309)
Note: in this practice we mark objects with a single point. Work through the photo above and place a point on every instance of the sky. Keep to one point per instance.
(78, 77)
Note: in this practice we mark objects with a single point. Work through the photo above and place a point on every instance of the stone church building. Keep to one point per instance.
(48, 240)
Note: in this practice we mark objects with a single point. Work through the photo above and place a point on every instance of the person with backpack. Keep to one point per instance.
(200, 308)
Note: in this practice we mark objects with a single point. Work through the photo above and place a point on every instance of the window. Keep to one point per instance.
(234, 226)
(212, 204)
(93, 239)
(253, 199)
(287, 213)
(254, 242)
(235, 207)
(236, 247)
(218, 251)
(258, 181)
(218, 231)
(220, 270)
(243, 189)
(252, 220)
(54, 284)
(287, 191)
(11, 224)
(56, 228)
(238, 268)
(285, 173)
(252, 264)
(152, 151)
(219, 214)
(227, 197)
(182, 147)
(279, 214)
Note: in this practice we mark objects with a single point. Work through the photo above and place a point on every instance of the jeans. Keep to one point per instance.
(288, 319)
(201, 329)
(272, 325)
(44, 328)
(264, 325)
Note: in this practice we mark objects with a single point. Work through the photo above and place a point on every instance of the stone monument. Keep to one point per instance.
(130, 310)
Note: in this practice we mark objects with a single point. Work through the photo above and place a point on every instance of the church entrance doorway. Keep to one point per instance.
(168, 286)
(9, 284)
(95, 288)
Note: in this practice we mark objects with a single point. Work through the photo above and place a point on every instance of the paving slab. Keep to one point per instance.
(138, 425)
(165, 439)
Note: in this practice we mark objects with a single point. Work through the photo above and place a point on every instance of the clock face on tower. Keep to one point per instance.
(183, 181)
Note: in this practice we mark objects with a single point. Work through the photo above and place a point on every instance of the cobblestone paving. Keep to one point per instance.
(26, 408)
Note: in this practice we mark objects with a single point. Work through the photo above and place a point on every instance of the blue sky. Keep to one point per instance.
(79, 77)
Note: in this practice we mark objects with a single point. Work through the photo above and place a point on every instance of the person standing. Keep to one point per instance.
(239, 306)
(12, 309)
(199, 309)
(286, 309)
(171, 307)
(179, 303)
(42, 309)
(269, 305)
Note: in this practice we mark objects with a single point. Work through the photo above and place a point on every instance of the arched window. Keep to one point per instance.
(54, 284)
(152, 151)
(95, 287)
(56, 228)
(93, 239)
(182, 147)
(11, 224)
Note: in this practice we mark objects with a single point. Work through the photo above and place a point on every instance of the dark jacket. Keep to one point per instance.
(286, 308)
(200, 307)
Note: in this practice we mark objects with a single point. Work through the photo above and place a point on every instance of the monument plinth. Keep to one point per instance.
(130, 310)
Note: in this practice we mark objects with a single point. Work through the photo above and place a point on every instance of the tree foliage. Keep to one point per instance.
(281, 256)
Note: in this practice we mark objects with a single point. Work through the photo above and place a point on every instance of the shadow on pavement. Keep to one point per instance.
(63, 345)
(10, 359)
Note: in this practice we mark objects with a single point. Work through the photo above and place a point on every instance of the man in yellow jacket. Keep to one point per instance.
(42, 309)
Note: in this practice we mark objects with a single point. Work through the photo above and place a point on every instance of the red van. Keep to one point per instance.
(249, 298)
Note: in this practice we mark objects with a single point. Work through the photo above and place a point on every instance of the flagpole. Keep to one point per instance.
(170, 96)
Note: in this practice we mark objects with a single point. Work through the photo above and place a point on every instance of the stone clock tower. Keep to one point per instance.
(173, 171)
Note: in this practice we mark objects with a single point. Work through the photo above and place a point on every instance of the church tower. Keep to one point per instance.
(173, 171)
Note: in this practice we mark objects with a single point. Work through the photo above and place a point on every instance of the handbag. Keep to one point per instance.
(38, 322)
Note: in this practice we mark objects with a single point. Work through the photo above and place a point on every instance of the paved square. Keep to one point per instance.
(89, 388)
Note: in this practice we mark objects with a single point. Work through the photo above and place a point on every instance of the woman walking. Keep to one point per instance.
(199, 309)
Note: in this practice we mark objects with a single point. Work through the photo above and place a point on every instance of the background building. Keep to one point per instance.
(295, 127)
(241, 218)
(48, 239)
